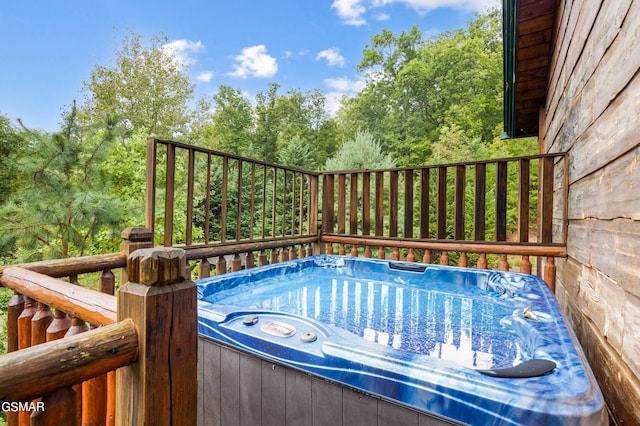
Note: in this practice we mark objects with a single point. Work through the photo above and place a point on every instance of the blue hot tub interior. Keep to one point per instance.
(418, 334)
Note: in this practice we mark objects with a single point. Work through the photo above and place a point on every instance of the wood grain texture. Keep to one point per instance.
(90, 305)
(44, 368)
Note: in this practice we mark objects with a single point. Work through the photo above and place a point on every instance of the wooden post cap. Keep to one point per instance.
(137, 234)
(157, 266)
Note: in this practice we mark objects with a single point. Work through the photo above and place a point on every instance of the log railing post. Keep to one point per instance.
(132, 240)
(161, 388)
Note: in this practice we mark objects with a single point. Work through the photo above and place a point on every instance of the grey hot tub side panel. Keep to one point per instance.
(238, 388)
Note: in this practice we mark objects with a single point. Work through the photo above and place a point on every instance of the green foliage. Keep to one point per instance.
(61, 202)
(11, 141)
(419, 90)
(147, 87)
(232, 122)
(297, 154)
(361, 152)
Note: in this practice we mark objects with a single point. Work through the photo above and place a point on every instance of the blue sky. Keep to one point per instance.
(49, 47)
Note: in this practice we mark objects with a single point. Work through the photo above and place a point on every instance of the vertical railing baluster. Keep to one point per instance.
(463, 261)
(274, 201)
(367, 252)
(190, 186)
(169, 197)
(292, 253)
(77, 326)
(273, 256)
(262, 258)
(479, 215)
(39, 323)
(293, 204)
(252, 204)
(327, 203)
(459, 202)
(342, 194)
(503, 264)
(342, 251)
(249, 261)
(381, 253)
(426, 257)
(379, 208)
(393, 203)
(444, 258)
(207, 201)
(353, 204)
(501, 201)
(15, 307)
(239, 203)
(204, 268)
(424, 203)
(523, 200)
(285, 191)
(354, 250)
(482, 261)
(411, 256)
(408, 203)
(221, 265)
(264, 200)
(223, 207)
(236, 263)
(366, 203)
(441, 209)
(395, 254)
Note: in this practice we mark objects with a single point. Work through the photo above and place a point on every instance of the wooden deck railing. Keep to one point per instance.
(232, 210)
(68, 372)
(502, 207)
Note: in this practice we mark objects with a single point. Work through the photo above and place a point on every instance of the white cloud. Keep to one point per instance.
(350, 11)
(340, 87)
(254, 62)
(204, 77)
(333, 57)
(423, 6)
(181, 51)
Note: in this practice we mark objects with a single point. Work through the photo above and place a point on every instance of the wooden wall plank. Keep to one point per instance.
(229, 387)
(359, 409)
(298, 398)
(273, 394)
(327, 403)
(250, 392)
(391, 414)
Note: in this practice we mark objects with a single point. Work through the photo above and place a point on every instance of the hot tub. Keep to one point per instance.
(456, 344)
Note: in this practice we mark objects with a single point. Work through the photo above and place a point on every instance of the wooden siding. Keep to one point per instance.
(592, 113)
(238, 388)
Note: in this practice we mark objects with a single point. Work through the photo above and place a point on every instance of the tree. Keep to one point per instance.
(62, 201)
(146, 87)
(232, 122)
(265, 137)
(11, 141)
(297, 154)
(361, 152)
(416, 87)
